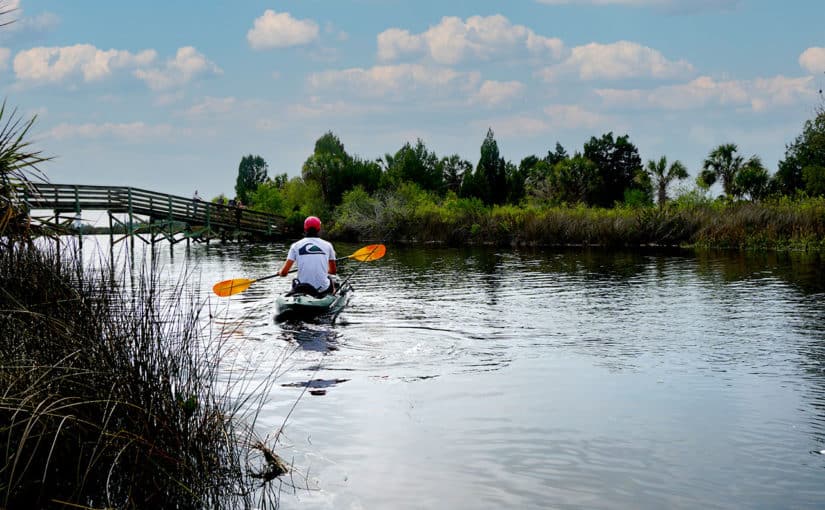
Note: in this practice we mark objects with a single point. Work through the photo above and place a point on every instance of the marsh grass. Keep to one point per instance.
(410, 215)
(111, 395)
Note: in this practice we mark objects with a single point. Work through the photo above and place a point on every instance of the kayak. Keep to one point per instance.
(292, 306)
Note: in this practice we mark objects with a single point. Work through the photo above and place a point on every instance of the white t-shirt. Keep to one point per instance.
(312, 254)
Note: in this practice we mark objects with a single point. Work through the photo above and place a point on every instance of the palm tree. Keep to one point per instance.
(723, 163)
(752, 179)
(18, 170)
(662, 176)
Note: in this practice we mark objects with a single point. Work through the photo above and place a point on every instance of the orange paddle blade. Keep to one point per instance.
(369, 253)
(230, 287)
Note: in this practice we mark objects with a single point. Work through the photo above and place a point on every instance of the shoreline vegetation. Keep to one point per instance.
(689, 222)
(112, 393)
(602, 195)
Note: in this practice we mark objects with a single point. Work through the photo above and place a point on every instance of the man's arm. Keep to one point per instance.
(333, 267)
(286, 267)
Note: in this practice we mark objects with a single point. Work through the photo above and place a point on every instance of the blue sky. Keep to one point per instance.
(169, 96)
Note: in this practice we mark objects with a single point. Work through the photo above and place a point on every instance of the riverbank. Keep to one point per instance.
(111, 395)
(782, 224)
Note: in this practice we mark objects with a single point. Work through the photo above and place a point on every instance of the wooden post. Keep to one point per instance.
(78, 224)
(131, 229)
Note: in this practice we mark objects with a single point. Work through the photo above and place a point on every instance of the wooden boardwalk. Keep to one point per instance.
(149, 215)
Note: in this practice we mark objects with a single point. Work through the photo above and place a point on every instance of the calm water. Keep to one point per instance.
(484, 378)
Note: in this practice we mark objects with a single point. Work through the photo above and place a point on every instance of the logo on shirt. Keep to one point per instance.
(310, 249)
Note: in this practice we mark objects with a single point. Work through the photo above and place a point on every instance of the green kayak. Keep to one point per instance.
(299, 306)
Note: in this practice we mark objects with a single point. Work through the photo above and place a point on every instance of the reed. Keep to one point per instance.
(410, 215)
(111, 395)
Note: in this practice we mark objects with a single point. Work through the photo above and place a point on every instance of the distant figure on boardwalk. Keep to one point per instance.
(238, 206)
(195, 199)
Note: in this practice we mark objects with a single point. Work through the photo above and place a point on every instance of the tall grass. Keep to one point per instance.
(111, 397)
(411, 215)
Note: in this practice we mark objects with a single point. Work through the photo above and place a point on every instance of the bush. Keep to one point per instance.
(110, 397)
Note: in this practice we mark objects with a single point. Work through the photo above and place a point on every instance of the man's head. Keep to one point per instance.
(312, 225)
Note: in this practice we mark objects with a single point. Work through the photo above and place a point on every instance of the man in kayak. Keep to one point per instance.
(315, 258)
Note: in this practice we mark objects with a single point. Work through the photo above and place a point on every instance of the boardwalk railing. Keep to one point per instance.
(158, 207)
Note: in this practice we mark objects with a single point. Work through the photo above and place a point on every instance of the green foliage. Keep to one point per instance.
(18, 170)
(661, 176)
(111, 393)
(356, 215)
(722, 164)
(556, 156)
(617, 163)
(814, 178)
(335, 171)
(808, 149)
(575, 180)
(268, 197)
(489, 182)
(752, 180)
(636, 198)
(251, 173)
(295, 199)
(454, 169)
(415, 165)
(690, 219)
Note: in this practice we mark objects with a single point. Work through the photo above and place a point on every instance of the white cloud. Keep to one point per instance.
(493, 93)
(187, 65)
(212, 105)
(388, 80)
(316, 107)
(574, 116)
(619, 60)
(676, 6)
(280, 30)
(758, 95)
(5, 54)
(133, 132)
(55, 64)
(454, 40)
(394, 43)
(11, 16)
(813, 60)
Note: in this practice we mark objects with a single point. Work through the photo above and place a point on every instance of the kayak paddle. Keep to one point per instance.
(237, 285)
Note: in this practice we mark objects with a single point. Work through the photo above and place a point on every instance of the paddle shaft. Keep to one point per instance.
(341, 285)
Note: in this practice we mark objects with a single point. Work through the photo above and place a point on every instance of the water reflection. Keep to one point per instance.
(577, 378)
(319, 337)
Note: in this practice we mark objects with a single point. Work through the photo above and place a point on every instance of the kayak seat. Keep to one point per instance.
(309, 290)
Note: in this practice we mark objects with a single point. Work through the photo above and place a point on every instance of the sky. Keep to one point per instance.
(169, 96)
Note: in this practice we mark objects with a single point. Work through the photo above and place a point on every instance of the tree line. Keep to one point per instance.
(607, 172)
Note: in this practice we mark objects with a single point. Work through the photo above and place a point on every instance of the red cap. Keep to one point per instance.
(312, 222)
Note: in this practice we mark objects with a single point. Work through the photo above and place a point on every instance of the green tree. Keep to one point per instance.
(490, 179)
(335, 172)
(619, 165)
(18, 169)
(807, 150)
(575, 180)
(814, 177)
(268, 197)
(416, 165)
(251, 173)
(453, 169)
(722, 164)
(752, 179)
(517, 178)
(662, 175)
(556, 156)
